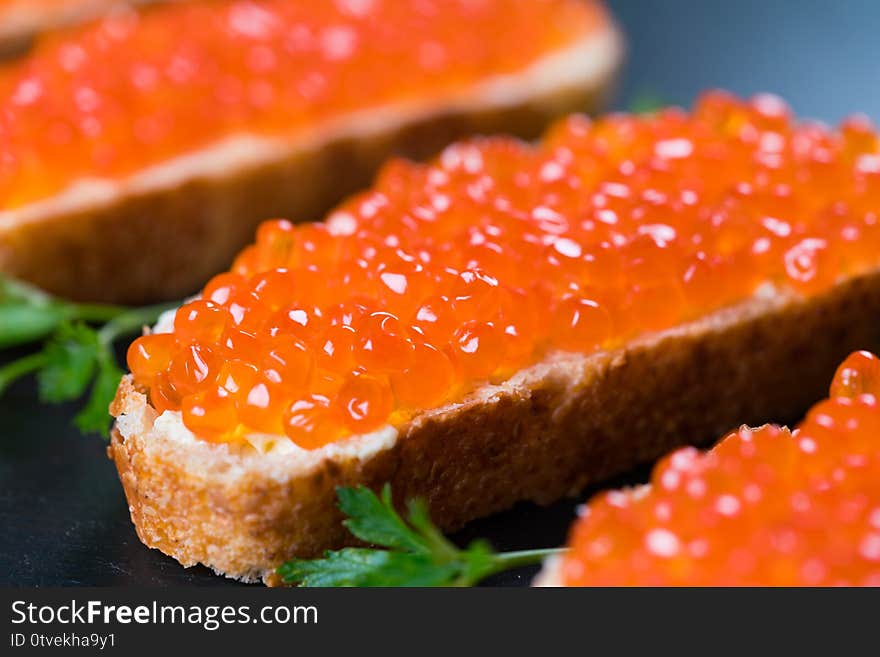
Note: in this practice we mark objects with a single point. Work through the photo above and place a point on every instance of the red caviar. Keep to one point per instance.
(498, 253)
(150, 355)
(858, 375)
(308, 420)
(141, 87)
(764, 507)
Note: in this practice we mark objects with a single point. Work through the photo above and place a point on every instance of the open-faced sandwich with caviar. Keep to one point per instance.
(765, 507)
(508, 322)
(141, 151)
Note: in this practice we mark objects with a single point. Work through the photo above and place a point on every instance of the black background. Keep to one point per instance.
(63, 517)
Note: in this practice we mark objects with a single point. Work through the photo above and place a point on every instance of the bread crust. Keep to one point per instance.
(192, 229)
(22, 21)
(549, 432)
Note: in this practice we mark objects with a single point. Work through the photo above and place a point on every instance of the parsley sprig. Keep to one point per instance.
(648, 102)
(76, 356)
(413, 551)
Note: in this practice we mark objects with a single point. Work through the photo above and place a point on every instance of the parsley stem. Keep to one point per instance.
(120, 322)
(28, 314)
(92, 312)
(507, 560)
(501, 561)
(132, 320)
(16, 290)
(18, 368)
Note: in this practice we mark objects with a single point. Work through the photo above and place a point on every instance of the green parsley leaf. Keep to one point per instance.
(95, 416)
(647, 103)
(374, 520)
(481, 561)
(347, 567)
(420, 520)
(15, 290)
(409, 569)
(74, 352)
(413, 552)
(365, 567)
(21, 323)
(27, 313)
(71, 356)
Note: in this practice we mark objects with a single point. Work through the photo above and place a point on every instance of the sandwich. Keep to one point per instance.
(765, 507)
(142, 150)
(510, 321)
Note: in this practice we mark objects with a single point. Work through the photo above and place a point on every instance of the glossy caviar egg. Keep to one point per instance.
(193, 367)
(364, 402)
(150, 355)
(261, 406)
(580, 324)
(765, 507)
(287, 360)
(435, 319)
(237, 377)
(312, 421)
(857, 375)
(336, 348)
(210, 413)
(199, 320)
(141, 87)
(162, 395)
(478, 348)
(306, 324)
(427, 381)
(221, 288)
(382, 344)
(499, 254)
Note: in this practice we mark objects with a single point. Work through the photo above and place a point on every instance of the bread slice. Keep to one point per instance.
(547, 432)
(89, 242)
(549, 576)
